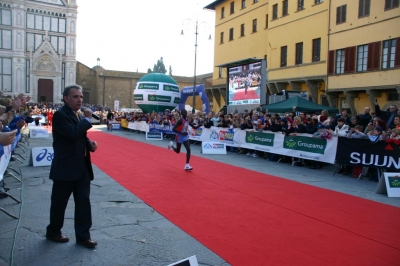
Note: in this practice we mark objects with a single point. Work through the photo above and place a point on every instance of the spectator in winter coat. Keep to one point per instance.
(356, 133)
(341, 129)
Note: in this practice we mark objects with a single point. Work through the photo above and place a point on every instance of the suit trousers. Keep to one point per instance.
(61, 193)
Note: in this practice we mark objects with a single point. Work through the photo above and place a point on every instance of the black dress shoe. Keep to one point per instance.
(87, 243)
(58, 239)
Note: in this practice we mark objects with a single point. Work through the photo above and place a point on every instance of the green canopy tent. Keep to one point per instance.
(301, 105)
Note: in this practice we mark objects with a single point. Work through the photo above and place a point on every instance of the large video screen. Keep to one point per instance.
(244, 84)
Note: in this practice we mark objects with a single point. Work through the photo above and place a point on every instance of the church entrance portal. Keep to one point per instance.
(45, 90)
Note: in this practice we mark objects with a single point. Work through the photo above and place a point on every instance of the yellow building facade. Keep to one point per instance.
(297, 37)
(297, 45)
(240, 33)
(364, 54)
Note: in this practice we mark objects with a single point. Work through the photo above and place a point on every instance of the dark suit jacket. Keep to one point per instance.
(69, 144)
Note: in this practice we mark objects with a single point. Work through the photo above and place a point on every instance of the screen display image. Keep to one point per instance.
(244, 84)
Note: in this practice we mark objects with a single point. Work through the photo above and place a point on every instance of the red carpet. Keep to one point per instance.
(249, 218)
(240, 95)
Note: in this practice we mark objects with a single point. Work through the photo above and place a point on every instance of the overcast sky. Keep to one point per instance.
(129, 35)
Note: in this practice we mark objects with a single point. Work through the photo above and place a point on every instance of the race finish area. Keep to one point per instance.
(251, 218)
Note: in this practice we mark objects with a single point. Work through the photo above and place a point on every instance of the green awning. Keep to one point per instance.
(301, 105)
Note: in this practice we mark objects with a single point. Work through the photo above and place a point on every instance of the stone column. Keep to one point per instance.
(372, 95)
(280, 86)
(350, 95)
(313, 87)
(272, 88)
(332, 99)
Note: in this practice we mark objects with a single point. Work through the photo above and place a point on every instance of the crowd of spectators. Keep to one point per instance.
(375, 126)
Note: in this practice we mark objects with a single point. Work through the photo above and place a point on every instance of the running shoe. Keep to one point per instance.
(188, 167)
(170, 145)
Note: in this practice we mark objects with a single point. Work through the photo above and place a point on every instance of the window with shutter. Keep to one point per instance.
(349, 66)
(331, 62)
(362, 57)
(299, 53)
(275, 11)
(390, 4)
(373, 56)
(388, 53)
(283, 56)
(340, 61)
(341, 14)
(397, 53)
(363, 8)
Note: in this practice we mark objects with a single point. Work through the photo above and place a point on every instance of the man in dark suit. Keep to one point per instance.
(71, 168)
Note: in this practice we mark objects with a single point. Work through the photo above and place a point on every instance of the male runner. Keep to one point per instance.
(182, 137)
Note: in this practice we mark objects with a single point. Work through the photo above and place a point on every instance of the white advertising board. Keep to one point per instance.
(42, 156)
(38, 132)
(192, 261)
(392, 181)
(154, 136)
(213, 147)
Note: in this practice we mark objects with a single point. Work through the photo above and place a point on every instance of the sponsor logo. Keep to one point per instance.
(394, 181)
(177, 100)
(259, 138)
(148, 86)
(214, 135)
(44, 155)
(207, 146)
(37, 132)
(375, 159)
(154, 135)
(158, 98)
(226, 135)
(306, 144)
(199, 131)
(214, 146)
(218, 146)
(311, 157)
(138, 97)
(261, 148)
(171, 88)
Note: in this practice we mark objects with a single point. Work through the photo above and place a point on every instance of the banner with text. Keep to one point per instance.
(361, 152)
(301, 146)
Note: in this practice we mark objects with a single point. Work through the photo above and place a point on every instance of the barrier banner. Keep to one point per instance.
(361, 152)
(139, 126)
(301, 146)
(165, 129)
(216, 134)
(4, 160)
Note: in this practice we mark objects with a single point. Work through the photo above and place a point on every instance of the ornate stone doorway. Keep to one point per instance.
(45, 90)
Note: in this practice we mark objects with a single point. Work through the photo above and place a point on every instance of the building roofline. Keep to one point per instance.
(213, 4)
(241, 62)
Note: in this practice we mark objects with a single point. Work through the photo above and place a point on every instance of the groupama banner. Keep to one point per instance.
(300, 146)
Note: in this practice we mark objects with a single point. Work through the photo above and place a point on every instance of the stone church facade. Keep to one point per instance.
(38, 48)
(103, 87)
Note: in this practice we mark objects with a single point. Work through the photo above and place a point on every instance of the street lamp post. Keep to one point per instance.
(194, 79)
(195, 60)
